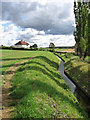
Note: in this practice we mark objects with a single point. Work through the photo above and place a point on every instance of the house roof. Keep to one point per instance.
(22, 43)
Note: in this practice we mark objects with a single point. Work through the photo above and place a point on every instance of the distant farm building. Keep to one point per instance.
(22, 44)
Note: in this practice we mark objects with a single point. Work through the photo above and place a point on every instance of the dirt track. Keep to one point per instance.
(6, 111)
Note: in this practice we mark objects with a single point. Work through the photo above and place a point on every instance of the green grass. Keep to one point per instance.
(78, 70)
(13, 54)
(10, 57)
(38, 91)
(64, 49)
(87, 59)
(59, 49)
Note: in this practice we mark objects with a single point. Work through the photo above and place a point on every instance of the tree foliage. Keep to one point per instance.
(34, 46)
(81, 11)
(52, 46)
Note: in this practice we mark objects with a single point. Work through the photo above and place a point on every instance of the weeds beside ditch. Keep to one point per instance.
(77, 69)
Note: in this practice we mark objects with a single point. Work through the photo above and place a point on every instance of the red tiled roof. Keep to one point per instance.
(22, 43)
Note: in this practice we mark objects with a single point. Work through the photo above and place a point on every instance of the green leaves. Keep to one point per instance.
(82, 27)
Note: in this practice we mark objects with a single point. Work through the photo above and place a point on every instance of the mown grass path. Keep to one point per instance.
(6, 112)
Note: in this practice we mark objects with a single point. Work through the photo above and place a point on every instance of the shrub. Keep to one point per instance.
(87, 59)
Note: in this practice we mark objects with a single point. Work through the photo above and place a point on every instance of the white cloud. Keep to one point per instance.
(39, 1)
(53, 16)
(41, 32)
(12, 27)
(58, 40)
(11, 34)
(38, 21)
(4, 22)
(8, 35)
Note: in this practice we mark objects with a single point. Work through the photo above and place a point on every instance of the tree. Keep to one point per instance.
(30, 47)
(35, 46)
(82, 27)
(52, 46)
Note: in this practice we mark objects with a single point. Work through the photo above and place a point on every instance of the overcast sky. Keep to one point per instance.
(40, 21)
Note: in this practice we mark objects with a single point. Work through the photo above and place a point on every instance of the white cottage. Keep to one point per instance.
(22, 44)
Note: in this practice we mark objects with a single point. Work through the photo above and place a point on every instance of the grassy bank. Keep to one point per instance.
(38, 91)
(78, 70)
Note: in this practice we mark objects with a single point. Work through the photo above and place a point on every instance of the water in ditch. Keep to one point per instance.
(82, 98)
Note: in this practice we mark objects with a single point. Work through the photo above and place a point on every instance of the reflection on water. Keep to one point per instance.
(70, 84)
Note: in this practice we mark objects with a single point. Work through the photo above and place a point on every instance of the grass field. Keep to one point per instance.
(10, 57)
(37, 90)
(78, 70)
(70, 50)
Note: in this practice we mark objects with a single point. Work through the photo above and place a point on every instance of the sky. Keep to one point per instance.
(37, 21)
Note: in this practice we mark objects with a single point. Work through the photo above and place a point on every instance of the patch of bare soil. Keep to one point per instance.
(68, 50)
(6, 110)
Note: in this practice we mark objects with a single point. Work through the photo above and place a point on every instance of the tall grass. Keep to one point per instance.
(78, 70)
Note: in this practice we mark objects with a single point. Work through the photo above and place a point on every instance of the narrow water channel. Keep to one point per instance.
(83, 99)
(70, 84)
